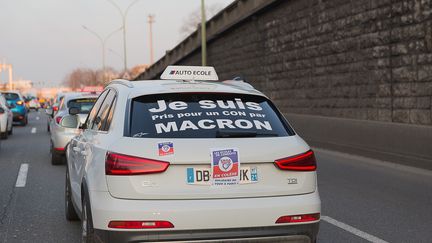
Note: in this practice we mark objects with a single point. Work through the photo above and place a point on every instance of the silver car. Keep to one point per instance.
(60, 136)
(52, 110)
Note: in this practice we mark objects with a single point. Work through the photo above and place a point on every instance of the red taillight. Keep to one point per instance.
(55, 108)
(58, 119)
(120, 164)
(59, 149)
(140, 224)
(300, 162)
(298, 218)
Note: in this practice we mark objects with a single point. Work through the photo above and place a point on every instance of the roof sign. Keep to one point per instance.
(201, 73)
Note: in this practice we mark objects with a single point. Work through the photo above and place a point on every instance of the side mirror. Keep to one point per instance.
(74, 110)
(49, 111)
(69, 121)
(11, 106)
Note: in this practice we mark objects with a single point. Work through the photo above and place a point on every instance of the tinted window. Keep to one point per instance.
(11, 96)
(84, 105)
(107, 121)
(59, 99)
(95, 109)
(205, 116)
(61, 106)
(100, 121)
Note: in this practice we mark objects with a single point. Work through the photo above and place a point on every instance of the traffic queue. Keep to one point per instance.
(14, 109)
(184, 158)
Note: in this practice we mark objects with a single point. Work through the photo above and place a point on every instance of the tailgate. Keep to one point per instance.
(189, 173)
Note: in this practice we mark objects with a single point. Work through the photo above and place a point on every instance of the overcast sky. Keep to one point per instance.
(44, 39)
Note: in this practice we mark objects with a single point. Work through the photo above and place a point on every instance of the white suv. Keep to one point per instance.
(179, 160)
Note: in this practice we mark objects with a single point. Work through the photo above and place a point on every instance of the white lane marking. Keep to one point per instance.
(22, 176)
(37, 118)
(353, 230)
(33, 130)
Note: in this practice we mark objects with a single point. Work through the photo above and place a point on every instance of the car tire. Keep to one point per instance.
(4, 135)
(87, 230)
(56, 159)
(48, 127)
(10, 132)
(24, 122)
(71, 214)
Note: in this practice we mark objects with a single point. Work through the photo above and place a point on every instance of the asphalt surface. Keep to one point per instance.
(34, 213)
(363, 200)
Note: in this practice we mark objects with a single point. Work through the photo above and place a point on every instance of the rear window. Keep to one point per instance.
(11, 96)
(84, 105)
(205, 115)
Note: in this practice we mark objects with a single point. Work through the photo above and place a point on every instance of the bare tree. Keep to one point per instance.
(137, 70)
(81, 77)
(190, 23)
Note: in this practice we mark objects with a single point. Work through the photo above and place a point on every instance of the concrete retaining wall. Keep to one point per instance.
(355, 76)
(363, 59)
(409, 145)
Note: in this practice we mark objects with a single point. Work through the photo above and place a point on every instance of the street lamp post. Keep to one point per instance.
(116, 54)
(103, 44)
(151, 20)
(123, 16)
(203, 35)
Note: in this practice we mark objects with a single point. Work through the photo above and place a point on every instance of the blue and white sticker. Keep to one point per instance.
(165, 148)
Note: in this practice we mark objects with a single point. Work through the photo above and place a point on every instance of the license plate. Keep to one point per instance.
(202, 176)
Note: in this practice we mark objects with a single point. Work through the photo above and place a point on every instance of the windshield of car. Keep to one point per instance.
(11, 96)
(205, 115)
(84, 105)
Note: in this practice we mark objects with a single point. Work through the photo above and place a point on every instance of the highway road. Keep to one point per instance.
(363, 200)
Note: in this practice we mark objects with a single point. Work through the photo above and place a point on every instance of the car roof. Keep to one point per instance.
(12, 92)
(147, 87)
(71, 96)
(20, 97)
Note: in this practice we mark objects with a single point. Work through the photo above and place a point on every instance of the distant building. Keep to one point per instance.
(22, 85)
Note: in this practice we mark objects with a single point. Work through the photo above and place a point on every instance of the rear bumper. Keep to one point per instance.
(273, 234)
(208, 219)
(60, 137)
(18, 116)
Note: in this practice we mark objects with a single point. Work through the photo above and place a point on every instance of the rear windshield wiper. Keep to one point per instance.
(235, 134)
(242, 134)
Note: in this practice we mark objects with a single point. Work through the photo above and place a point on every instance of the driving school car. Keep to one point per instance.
(189, 158)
